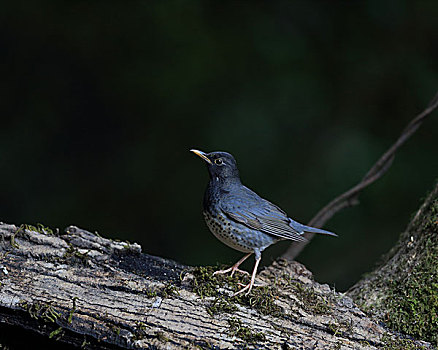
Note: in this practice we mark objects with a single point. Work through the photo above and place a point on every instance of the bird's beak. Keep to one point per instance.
(202, 155)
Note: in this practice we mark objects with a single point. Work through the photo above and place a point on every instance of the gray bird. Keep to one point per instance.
(242, 219)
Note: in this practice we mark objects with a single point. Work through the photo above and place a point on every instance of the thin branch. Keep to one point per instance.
(350, 197)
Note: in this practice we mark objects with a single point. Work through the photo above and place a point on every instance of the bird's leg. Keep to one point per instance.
(234, 268)
(249, 286)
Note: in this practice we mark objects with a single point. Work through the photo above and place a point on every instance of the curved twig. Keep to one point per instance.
(350, 197)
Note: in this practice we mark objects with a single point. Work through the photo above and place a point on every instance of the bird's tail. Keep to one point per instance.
(303, 228)
(318, 230)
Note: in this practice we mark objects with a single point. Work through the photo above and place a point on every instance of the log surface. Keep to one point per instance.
(86, 290)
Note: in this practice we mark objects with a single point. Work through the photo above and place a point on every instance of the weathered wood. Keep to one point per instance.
(93, 292)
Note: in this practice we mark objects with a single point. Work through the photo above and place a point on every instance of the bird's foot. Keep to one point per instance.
(247, 288)
(235, 267)
(255, 284)
(232, 269)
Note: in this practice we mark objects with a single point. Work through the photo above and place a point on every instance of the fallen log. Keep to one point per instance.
(88, 291)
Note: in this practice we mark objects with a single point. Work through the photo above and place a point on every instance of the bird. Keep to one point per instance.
(240, 218)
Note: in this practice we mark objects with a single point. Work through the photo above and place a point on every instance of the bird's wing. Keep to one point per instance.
(248, 208)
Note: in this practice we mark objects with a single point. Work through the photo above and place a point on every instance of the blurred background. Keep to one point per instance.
(101, 102)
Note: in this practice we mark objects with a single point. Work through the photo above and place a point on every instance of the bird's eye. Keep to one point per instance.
(218, 161)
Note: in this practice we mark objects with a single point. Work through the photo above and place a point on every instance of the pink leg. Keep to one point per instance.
(234, 268)
(251, 283)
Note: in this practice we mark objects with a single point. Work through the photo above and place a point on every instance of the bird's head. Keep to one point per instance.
(221, 165)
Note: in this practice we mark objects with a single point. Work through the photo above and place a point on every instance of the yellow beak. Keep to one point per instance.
(201, 154)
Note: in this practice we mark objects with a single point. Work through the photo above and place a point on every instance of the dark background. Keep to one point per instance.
(101, 102)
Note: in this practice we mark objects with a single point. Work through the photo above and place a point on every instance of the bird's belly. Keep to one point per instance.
(235, 235)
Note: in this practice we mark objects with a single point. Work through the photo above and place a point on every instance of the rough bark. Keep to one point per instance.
(82, 289)
(403, 290)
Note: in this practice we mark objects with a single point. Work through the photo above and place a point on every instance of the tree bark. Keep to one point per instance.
(82, 289)
(403, 291)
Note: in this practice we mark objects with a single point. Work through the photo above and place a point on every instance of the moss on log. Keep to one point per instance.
(403, 291)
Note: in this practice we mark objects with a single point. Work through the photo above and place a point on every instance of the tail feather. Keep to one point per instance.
(303, 228)
(318, 230)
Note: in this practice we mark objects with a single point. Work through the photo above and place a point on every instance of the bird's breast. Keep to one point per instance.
(236, 235)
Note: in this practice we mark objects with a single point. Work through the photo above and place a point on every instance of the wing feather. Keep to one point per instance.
(257, 213)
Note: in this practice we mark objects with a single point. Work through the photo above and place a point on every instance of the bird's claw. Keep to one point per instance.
(233, 270)
(255, 284)
(241, 271)
(247, 287)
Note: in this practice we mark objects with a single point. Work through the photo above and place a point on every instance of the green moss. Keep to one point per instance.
(150, 293)
(141, 325)
(58, 333)
(85, 343)
(245, 333)
(221, 305)
(341, 327)
(72, 310)
(364, 343)
(73, 255)
(46, 313)
(21, 231)
(115, 329)
(14, 244)
(413, 303)
(168, 291)
(261, 299)
(391, 343)
(139, 331)
(312, 301)
(40, 228)
(205, 284)
(41, 311)
(161, 336)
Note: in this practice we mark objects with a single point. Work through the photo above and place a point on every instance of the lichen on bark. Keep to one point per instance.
(403, 291)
